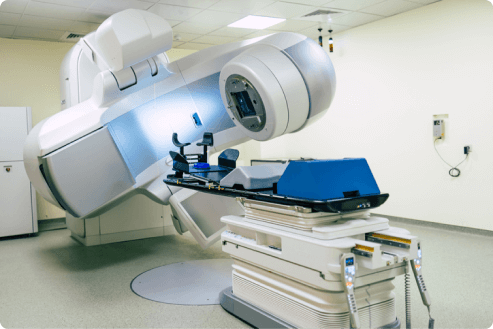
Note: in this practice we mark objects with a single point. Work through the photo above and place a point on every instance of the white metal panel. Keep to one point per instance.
(13, 132)
(137, 213)
(285, 10)
(174, 12)
(15, 200)
(34, 208)
(79, 187)
(75, 225)
(201, 213)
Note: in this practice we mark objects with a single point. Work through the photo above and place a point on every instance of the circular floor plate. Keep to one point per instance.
(197, 282)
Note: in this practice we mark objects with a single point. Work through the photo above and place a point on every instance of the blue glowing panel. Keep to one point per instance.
(196, 119)
(143, 135)
(207, 97)
(134, 149)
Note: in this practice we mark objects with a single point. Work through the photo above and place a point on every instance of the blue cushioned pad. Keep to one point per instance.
(327, 179)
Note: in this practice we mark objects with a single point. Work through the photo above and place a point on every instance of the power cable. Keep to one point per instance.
(454, 171)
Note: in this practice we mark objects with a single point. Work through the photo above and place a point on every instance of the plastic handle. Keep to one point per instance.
(349, 287)
(421, 283)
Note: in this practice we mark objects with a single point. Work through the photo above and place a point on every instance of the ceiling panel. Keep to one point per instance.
(185, 37)
(73, 3)
(45, 22)
(11, 6)
(93, 17)
(310, 2)
(285, 10)
(259, 33)
(114, 6)
(6, 31)
(232, 32)
(83, 27)
(215, 40)
(314, 33)
(200, 23)
(177, 43)
(391, 7)
(292, 25)
(174, 12)
(425, 2)
(197, 28)
(9, 18)
(356, 18)
(241, 6)
(323, 19)
(51, 10)
(202, 4)
(173, 22)
(216, 17)
(354, 5)
(29, 32)
(195, 46)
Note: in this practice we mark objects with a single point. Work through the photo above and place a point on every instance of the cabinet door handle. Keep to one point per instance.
(7, 169)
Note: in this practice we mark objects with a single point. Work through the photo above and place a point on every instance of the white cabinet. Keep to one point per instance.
(17, 197)
(13, 132)
(16, 215)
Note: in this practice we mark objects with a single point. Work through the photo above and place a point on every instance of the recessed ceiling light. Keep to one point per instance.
(256, 22)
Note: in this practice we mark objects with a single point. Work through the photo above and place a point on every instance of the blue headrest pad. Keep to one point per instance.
(327, 179)
(201, 165)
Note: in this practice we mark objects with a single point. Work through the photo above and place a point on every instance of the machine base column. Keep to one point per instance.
(259, 318)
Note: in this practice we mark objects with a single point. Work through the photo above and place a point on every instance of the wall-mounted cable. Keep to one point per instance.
(454, 171)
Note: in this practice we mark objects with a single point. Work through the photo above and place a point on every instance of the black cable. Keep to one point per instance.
(407, 296)
(431, 322)
(454, 172)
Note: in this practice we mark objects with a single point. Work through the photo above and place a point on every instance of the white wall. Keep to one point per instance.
(29, 77)
(393, 75)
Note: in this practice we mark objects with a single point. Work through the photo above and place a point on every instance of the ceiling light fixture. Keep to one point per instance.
(331, 42)
(256, 22)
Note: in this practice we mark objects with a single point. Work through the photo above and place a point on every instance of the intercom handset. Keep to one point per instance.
(416, 266)
(348, 274)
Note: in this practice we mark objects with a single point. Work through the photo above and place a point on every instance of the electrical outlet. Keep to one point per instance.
(438, 129)
(467, 149)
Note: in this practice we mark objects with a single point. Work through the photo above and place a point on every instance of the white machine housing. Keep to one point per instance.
(138, 217)
(291, 268)
(100, 152)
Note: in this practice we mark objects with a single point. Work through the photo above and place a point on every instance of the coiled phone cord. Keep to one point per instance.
(454, 171)
(407, 287)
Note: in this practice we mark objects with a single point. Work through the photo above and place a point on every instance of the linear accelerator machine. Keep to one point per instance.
(135, 218)
(300, 259)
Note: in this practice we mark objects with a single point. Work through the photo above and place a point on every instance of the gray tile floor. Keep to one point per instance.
(52, 281)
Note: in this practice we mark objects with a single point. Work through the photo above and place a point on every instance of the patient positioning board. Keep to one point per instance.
(326, 186)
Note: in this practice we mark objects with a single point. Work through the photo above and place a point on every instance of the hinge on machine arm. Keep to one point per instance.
(125, 78)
